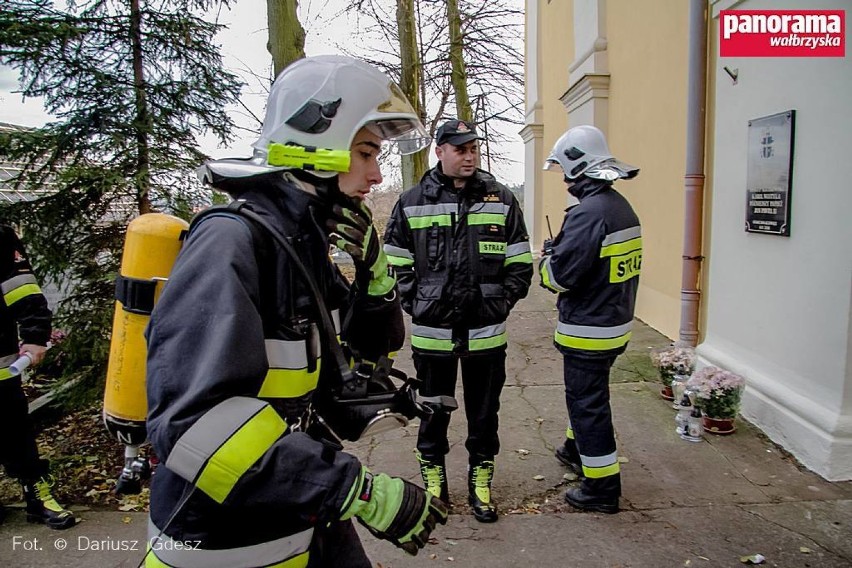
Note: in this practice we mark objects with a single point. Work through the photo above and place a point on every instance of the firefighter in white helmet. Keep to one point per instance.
(234, 352)
(594, 268)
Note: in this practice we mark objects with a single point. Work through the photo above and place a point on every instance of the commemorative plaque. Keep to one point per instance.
(770, 173)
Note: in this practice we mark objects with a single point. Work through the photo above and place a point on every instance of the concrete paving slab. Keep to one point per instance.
(699, 505)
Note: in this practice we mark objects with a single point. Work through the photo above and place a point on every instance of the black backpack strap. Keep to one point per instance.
(261, 233)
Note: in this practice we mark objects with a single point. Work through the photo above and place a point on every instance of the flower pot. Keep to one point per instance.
(666, 393)
(719, 426)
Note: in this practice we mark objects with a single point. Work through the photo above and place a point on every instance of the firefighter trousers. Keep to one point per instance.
(483, 377)
(18, 449)
(587, 399)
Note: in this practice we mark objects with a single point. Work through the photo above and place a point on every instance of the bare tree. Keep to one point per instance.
(286, 35)
(410, 80)
(489, 75)
(458, 69)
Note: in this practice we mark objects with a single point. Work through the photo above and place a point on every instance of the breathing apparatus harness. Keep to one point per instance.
(363, 401)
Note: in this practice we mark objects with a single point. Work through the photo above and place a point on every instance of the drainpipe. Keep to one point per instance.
(690, 296)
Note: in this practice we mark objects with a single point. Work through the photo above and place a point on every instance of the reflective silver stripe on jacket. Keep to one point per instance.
(283, 354)
(594, 332)
(400, 252)
(548, 279)
(214, 428)
(500, 208)
(487, 331)
(622, 235)
(17, 282)
(335, 317)
(518, 248)
(431, 332)
(185, 555)
(429, 210)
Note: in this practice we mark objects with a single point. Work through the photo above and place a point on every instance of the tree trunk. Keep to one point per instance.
(286, 35)
(411, 76)
(143, 120)
(459, 70)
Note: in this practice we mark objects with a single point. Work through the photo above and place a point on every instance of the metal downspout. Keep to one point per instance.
(690, 295)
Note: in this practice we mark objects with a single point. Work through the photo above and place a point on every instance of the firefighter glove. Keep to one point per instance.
(395, 510)
(351, 230)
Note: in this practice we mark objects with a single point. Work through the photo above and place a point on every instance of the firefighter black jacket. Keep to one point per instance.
(215, 336)
(24, 308)
(462, 257)
(595, 266)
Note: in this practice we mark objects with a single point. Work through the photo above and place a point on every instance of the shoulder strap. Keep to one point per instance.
(261, 231)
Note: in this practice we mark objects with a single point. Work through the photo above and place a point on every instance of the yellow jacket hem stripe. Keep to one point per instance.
(291, 551)
(289, 383)
(591, 344)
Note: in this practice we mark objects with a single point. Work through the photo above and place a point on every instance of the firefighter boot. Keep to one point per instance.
(2, 514)
(43, 508)
(479, 476)
(434, 474)
(569, 456)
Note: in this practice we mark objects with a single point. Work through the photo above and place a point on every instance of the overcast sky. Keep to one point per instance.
(244, 51)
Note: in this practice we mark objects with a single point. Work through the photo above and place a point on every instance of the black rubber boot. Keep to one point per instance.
(579, 497)
(569, 456)
(479, 477)
(43, 508)
(2, 514)
(434, 474)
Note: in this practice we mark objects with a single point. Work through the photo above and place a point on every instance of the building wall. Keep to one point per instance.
(778, 308)
(647, 128)
(598, 64)
(548, 58)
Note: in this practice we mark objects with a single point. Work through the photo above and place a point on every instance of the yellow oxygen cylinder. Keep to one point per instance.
(151, 246)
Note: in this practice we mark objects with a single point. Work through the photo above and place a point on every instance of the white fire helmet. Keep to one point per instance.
(320, 103)
(583, 150)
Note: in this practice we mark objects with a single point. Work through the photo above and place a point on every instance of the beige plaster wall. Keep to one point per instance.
(647, 44)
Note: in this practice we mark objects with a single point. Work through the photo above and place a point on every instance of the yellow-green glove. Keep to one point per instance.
(395, 510)
(351, 230)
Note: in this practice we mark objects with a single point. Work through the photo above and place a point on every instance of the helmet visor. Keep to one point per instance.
(406, 135)
(552, 165)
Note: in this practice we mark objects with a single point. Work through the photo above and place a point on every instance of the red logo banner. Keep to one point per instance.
(782, 33)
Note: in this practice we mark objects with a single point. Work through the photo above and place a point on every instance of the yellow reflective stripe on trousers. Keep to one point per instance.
(592, 338)
(291, 551)
(216, 451)
(596, 467)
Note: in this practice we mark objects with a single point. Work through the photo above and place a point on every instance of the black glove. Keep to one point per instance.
(395, 510)
(351, 230)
